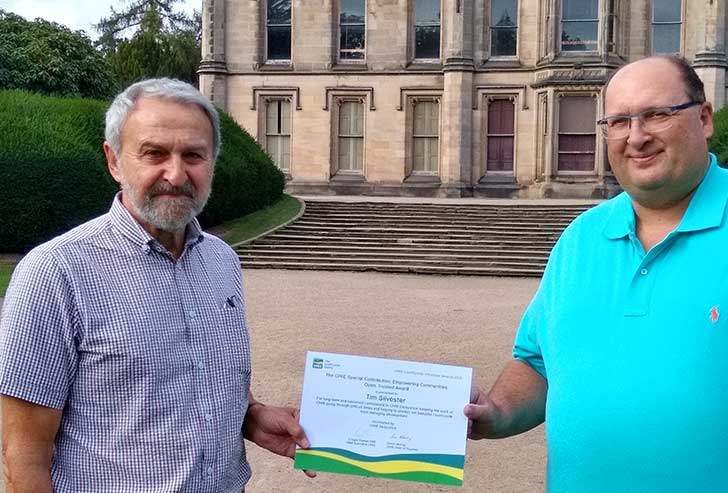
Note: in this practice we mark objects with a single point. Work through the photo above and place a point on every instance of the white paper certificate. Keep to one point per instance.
(385, 418)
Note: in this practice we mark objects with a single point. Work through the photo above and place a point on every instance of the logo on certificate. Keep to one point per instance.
(318, 363)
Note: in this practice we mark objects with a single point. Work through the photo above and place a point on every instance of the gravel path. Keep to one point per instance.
(467, 321)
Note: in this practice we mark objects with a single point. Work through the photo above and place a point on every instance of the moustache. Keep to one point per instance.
(162, 188)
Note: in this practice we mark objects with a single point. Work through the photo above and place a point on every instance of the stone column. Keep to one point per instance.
(457, 98)
(710, 61)
(213, 69)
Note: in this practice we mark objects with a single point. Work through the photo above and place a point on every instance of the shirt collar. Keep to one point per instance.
(706, 209)
(122, 219)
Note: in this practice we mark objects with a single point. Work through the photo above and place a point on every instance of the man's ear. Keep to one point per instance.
(706, 118)
(112, 162)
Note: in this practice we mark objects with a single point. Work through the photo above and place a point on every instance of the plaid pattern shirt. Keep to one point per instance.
(147, 357)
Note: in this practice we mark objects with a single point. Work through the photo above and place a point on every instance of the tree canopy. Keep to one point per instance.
(164, 42)
(49, 58)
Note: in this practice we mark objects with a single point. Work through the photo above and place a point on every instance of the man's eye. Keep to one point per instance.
(618, 122)
(656, 115)
(154, 153)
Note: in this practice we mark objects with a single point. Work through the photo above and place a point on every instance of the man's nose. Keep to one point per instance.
(637, 136)
(175, 172)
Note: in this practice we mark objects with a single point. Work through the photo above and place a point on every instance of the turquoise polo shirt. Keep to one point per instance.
(634, 345)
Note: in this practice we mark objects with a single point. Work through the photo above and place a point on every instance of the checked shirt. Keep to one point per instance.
(147, 357)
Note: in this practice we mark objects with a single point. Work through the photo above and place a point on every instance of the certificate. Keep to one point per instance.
(384, 418)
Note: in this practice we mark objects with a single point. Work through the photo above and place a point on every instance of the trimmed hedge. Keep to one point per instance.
(53, 173)
(719, 141)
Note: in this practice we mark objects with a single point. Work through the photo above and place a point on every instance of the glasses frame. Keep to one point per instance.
(640, 116)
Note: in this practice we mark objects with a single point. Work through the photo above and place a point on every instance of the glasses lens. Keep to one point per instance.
(656, 120)
(616, 127)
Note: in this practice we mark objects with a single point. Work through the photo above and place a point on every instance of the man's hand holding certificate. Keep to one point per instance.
(385, 418)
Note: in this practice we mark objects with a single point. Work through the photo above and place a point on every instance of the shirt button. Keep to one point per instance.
(191, 314)
(643, 272)
(208, 417)
(209, 471)
(201, 366)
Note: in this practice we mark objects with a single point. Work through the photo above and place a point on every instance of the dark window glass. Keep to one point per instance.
(352, 37)
(579, 25)
(503, 28)
(427, 29)
(279, 12)
(279, 43)
(279, 29)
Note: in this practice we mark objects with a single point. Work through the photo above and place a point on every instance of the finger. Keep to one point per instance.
(296, 433)
(309, 473)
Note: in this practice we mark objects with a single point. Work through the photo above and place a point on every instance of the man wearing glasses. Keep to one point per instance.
(622, 349)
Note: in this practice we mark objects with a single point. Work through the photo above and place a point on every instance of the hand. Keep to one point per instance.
(481, 413)
(275, 429)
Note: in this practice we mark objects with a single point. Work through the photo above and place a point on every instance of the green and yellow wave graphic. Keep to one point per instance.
(427, 468)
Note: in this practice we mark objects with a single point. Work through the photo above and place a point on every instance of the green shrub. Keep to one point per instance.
(53, 173)
(719, 141)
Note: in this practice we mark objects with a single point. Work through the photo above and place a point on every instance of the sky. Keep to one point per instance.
(76, 14)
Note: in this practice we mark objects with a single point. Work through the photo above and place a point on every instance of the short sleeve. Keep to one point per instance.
(526, 347)
(38, 356)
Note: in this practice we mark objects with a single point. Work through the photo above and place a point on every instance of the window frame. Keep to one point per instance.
(412, 102)
(596, 41)
(337, 18)
(681, 31)
(266, 134)
(413, 35)
(513, 98)
(266, 52)
(557, 134)
(338, 101)
(489, 32)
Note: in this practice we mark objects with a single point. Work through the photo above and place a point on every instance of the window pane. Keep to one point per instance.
(577, 114)
(579, 36)
(352, 38)
(271, 123)
(279, 43)
(427, 12)
(503, 13)
(580, 9)
(352, 10)
(666, 10)
(285, 162)
(576, 162)
(501, 117)
(427, 42)
(503, 41)
(666, 38)
(279, 12)
(432, 154)
(285, 117)
(500, 154)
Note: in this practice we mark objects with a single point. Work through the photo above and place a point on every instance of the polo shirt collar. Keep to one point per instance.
(706, 209)
(122, 219)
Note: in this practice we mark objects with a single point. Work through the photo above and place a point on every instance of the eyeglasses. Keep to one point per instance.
(651, 120)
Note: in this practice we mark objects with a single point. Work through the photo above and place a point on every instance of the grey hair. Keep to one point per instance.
(165, 88)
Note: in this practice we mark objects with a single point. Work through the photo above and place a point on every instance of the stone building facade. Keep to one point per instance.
(443, 97)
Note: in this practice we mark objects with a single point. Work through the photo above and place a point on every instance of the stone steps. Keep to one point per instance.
(462, 239)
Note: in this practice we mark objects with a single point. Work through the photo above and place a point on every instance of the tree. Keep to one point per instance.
(164, 43)
(49, 58)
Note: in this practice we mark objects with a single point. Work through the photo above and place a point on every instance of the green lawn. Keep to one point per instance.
(5, 270)
(258, 222)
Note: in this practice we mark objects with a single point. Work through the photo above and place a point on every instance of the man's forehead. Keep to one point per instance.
(648, 82)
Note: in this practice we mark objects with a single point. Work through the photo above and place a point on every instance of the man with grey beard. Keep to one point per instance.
(124, 351)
